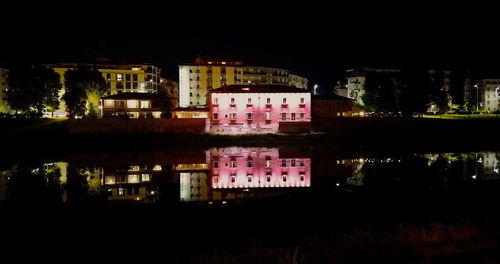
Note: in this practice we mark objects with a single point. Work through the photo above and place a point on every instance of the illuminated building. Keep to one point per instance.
(483, 94)
(4, 85)
(258, 108)
(257, 168)
(198, 79)
(190, 113)
(136, 105)
(332, 106)
(120, 78)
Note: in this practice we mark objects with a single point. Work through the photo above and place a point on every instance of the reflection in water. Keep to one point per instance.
(222, 174)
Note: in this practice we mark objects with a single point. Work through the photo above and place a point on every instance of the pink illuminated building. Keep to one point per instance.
(258, 108)
(257, 168)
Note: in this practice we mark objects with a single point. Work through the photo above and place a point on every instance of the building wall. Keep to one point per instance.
(332, 108)
(195, 81)
(233, 118)
(486, 97)
(4, 85)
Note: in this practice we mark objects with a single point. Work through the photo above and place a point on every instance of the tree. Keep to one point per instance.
(84, 87)
(371, 95)
(457, 86)
(380, 93)
(438, 96)
(32, 88)
(414, 88)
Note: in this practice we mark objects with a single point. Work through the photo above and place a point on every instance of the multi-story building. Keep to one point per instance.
(170, 90)
(196, 80)
(120, 78)
(136, 105)
(258, 108)
(4, 85)
(482, 95)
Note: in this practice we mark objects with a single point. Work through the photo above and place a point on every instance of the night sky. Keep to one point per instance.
(315, 39)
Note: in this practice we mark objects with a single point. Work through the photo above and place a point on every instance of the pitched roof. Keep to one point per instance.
(259, 88)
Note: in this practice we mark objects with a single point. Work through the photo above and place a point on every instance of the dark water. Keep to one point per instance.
(248, 205)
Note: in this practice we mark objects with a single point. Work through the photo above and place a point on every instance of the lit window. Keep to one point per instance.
(268, 101)
(144, 104)
(215, 116)
(145, 177)
(268, 116)
(133, 178)
(134, 168)
(110, 180)
(121, 191)
(108, 103)
(249, 116)
(232, 100)
(268, 163)
(232, 116)
(132, 103)
(119, 76)
(284, 100)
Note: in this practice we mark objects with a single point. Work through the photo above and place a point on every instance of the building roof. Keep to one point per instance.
(331, 97)
(259, 88)
(138, 96)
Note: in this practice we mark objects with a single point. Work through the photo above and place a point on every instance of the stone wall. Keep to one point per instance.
(175, 125)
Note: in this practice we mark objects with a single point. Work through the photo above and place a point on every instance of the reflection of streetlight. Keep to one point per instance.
(315, 91)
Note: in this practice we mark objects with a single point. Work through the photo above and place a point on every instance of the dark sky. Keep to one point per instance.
(315, 39)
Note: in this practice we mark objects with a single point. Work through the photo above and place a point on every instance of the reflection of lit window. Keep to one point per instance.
(233, 179)
(232, 164)
(268, 178)
(157, 168)
(133, 178)
(216, 164)
(268, 115)
(283, 162)
(249, 164)
(268, 163)
(249, 177)
(292, 163)
(249, 116)
(302, 176)
(216, 179)
(284, 177)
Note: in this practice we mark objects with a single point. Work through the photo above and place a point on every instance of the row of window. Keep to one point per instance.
(284, 116)
(127, 103)
(249, 101)
(268, 163)
(284, 178)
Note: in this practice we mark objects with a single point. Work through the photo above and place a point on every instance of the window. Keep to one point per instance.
(302, 176)
(232, 116)
(293, 116)
(232, 164)
(302, 100)
(268, 101)
(249, 178)
(119, 85)
(127, 85)
(292, 163)
(283, 116)
(232, 101)
(144, 104)
(249, 116)
(127, 77)
(215, 116)
(268, 177)
(268, 163)
(268, 116)
(284, 177)
(134, 77)
(301, 163)
(302, 115)
(216, 179)
(132, 103)
(134, 85)
(108, 104)
(216, 164)
(145, 177)
(249, 101)
(233, 179)
(284, 101)
(119, 77)
(108, 76)
(157, 168)
(283, 162)
(216, 100)
(119, 104)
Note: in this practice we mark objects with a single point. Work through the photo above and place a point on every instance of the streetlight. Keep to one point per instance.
(315, 89)
(477, 97)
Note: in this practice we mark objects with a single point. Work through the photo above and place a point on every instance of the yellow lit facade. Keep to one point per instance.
(4, 74)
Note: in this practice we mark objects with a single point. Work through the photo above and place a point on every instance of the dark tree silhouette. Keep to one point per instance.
(84, 86)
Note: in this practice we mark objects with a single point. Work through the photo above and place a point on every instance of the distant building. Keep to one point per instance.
(482, 94)
(332, 106)
(170, 89)
(340, 90)
(197, 79)
(136, 105)
(258, 108)
(190, 113)
(4, 85)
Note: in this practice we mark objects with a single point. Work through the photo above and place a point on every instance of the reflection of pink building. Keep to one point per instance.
(257, 168)
(258, 108)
